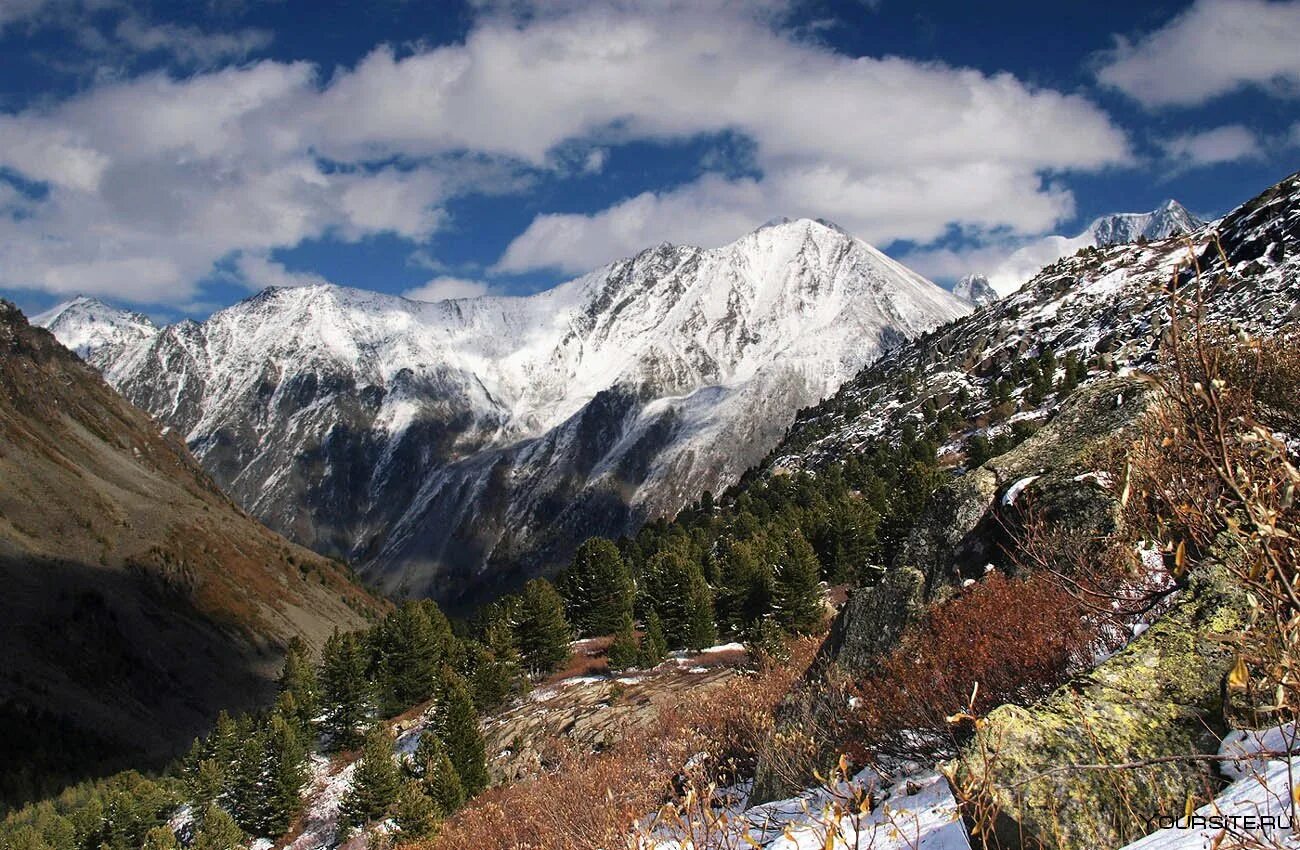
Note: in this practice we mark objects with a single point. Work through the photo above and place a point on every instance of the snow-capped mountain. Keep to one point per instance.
(1169, 219)
(1105, 306)
(430, 441)
(87, 325)
(975, 288)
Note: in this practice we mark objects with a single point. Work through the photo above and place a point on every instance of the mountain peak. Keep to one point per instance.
(1169, 219)
(976, 289)
(86, 325)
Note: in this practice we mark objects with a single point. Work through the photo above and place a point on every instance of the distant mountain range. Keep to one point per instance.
(455, 448)
(1168, 219)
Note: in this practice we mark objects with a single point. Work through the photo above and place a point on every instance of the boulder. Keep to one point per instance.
(1162, 695)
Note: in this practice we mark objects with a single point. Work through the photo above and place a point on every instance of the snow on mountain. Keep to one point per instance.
(1106, 306)
(975, 288)
(1169, 219)
(430, 441)
(87, 325)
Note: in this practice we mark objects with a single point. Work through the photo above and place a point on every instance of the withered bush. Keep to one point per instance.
(1016, 638)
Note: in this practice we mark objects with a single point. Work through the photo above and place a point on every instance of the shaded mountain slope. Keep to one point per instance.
(138, 600)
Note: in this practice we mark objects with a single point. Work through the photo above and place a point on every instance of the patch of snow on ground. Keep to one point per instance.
(917, 812)
(1257, 807)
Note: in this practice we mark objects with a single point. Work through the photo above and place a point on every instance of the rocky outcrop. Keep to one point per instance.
(1160, 696)
(874, 618)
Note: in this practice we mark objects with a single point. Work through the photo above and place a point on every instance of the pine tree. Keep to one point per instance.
(654, 647)
(217, 831)
(623, 651)
(416, 814)
(456, 723)
(285, 772)
(541, 630)
(160, 838)
(796, 587)
(298, 683)
(597, 588)
(345, 689)
(676, 590)
(744, 587)
(376, 781)
(437, 775)
(409, 657)
(496, 671)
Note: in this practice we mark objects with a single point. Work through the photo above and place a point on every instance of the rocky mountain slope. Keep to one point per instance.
(438, 445)
(138, 599)
(1105, 306)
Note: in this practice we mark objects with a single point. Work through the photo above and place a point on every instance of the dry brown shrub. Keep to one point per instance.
(1001, 640)
(595, 801)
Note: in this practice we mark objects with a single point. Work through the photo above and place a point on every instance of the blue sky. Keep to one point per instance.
(179, 156)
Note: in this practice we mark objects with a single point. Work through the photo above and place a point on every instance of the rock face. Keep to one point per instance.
(976, 289)
(1169, 219)
(1160, 696)
(455, 448)
(138, 600)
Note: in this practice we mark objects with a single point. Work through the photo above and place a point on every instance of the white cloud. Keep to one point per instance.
(443, 288)
(1212, 48)
(189, 45)
(186, 172)
(1229, 143)
(1007, 263)
(258, 272)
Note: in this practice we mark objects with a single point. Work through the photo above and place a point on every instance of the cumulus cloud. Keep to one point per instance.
(443, 288)
(258, 271)
(1212, 48)
(184, 172)
(1230, 143)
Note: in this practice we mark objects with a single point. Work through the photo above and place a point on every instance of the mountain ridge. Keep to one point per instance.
(512, 424)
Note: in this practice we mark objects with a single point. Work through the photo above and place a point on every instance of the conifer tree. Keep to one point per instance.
(456, 723)
(541, 630)
(376, 781)
(415, 814)
(796, 587)
(437, 775)
(285, 771)
(160, 838)
(409, 656)
(745, 587)
(597, 588)
(217, 831)
(623, 651)
(345, 690)
(676, 590)
(654, 646)
(496, 671)
(298, 682)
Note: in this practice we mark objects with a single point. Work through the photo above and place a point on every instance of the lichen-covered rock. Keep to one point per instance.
(1160, 696)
